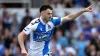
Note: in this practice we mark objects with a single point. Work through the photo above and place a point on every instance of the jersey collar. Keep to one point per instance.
(42, 21)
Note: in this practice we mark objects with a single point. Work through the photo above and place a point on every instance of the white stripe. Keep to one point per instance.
(36, 48)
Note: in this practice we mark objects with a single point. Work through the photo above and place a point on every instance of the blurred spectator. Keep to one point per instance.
(95, 2)
(81, 3)
(54, 47)
(15, 48)
(15, 26)
(69, 3)
(2, 47)
(1, 29)
(8, 52)
(96, 41)
(80, 45)
(80, 20)
(93, 50)
(7, 38)
(62, 52)
(98, 53)
(96, 27)
(7, 20)
(26, 20)
(52, 1)
(58, 3)
(62, 40)
(70, 51)
(75, 33)
(96, 14)
(87, 30)
(87, 48)
(18, 51)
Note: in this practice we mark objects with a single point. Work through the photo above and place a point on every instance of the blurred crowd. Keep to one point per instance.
(79, 37)
(72, 3)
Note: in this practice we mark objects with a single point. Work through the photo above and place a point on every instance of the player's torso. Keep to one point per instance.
(43, 31)
(40, 38)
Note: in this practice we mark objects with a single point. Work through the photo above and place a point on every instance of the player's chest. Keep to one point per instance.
(44, 28)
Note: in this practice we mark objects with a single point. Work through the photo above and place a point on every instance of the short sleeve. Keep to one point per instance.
(56, 20)
(30, 27)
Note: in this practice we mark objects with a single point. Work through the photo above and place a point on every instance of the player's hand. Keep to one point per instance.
(89, 9)
(24, 53)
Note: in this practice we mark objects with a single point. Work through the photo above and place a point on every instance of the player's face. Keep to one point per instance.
(47, 14)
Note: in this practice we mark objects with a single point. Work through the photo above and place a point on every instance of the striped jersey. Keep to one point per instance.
(40, 35)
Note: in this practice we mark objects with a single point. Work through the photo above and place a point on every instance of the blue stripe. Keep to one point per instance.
(46, 48)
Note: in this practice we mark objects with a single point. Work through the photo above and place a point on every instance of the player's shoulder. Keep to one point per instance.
(35, 22)
(55, 17)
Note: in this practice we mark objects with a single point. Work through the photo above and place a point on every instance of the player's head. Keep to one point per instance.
(46, 12)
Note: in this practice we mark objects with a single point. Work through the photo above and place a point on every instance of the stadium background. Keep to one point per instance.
(80, 37)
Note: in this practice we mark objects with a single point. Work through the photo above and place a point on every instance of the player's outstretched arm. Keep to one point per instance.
(21, 43)
(76, 14)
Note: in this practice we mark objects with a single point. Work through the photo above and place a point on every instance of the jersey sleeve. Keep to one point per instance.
(30, 27)
(56, 20)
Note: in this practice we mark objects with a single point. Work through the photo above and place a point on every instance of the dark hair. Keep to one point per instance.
(45, 7)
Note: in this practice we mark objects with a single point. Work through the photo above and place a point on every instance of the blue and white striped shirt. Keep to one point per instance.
(40, 35)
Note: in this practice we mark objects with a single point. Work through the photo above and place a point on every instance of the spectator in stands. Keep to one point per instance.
(7, 20)
(96, 41)
(93, 50)
(7, 38)
(90, 50)
(71, 51)
(69, 3)
(61, 39)
(96, 26)
(54, 47)
(80, 20)
(8, 52)
(98, 53)
(75, 33)
(95, 2)
(18, 51)
(87, 48)
(2, 47)
(14, 47)
(80, 45)
(81, 3)
(58, 3)
(26, 19)
(96, 14)
(87, 30)
(15, 26)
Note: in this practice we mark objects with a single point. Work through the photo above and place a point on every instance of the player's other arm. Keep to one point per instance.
(21, 42)
(26, 31)
(76, 14)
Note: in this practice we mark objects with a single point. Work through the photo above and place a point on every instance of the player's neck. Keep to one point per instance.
(45, 21)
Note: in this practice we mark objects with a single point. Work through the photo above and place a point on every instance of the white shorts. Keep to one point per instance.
(31, 53)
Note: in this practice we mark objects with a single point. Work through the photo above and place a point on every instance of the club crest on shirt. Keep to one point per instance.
(49, 27)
